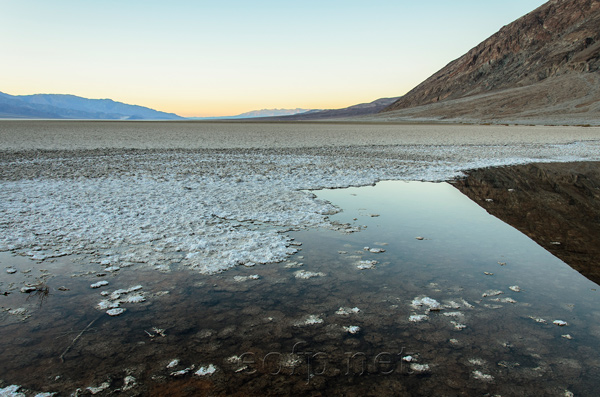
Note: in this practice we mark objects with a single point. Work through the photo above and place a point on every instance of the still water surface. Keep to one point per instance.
(318, 323)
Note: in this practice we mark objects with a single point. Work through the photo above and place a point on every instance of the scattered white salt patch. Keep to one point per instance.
(353, 329)
(104, 293)
(489, 200)
(161, 293)
(292, 265)
(98, 389)
(11, 270)
(28, 288)
(466, 304)
(492, 293)
(569, 393)
(112, 269)
(129, 383)
(137, 298)
(555, 243)
(115, 312)
(45, 394)
(508, 300)
(451, 305)
(164, 268)
(454, 314)
(107, 304)
(488, 273)
(11, 391)
(420, 238)
(134, 288)
(240, 279)
(376, 250)
(560, 323)
(342, 252)
(417, 318)
(249, 264)
(515, 288)
(99, 284)
(420, 368)
(458, 325)
(203, 371)
(364, 265)
(303, 274)
(431, 303)
(476, 361)
(233, 359)
(345, 311)
(18, 312)
(502, 263)
(538, 320)
(173, 363)
(567, 336)
(181, 372)
(454, 341)
(310, 320)
(482, 377)
(407, 358)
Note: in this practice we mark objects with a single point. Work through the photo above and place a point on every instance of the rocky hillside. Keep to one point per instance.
(361, 109)
(556, 42)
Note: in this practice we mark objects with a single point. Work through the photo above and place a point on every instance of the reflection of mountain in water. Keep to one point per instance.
(557, 205)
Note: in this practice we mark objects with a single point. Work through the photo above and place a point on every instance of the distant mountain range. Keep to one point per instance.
(352, 111)
(542, 67)
(256, 113)
(58, 106)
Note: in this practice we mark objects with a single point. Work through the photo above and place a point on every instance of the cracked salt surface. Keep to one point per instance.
(210, 209)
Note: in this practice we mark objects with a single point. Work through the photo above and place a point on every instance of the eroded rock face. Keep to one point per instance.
(557, 205)
(560, 37)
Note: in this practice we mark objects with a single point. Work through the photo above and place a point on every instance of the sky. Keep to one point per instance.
(218, 58)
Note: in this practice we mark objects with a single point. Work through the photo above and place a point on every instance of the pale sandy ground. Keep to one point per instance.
(25, 135)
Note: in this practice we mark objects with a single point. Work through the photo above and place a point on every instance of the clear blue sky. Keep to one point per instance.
(205, 58)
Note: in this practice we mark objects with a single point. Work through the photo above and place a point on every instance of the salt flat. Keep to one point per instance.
(59, 134)
(201, 189)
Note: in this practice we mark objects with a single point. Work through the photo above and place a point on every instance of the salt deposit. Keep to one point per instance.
(206, 204)
(204, 371)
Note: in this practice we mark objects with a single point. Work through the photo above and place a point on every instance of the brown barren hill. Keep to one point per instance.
(550, 57)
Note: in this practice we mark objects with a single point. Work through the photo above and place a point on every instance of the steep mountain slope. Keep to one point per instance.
(74, 107)
(361, 109)
(557, 42)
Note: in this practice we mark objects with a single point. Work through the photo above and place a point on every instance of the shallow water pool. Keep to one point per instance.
(430, 295)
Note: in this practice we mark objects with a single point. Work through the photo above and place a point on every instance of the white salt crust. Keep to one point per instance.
(212, 210)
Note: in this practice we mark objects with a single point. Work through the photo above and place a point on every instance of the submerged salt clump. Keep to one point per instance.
(353, 329)
(115, 312)
(98, 389)
(345, 311)
(417, 318)
(491, 292)
(364, 265)
(173, 363)
(204, 371)
(99, 284)
(428, 302)
(303, 274)
(481, 376)
(310, 320)
(419, 368)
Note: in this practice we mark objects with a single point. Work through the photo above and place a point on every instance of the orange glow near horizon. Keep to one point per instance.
(227, 58)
